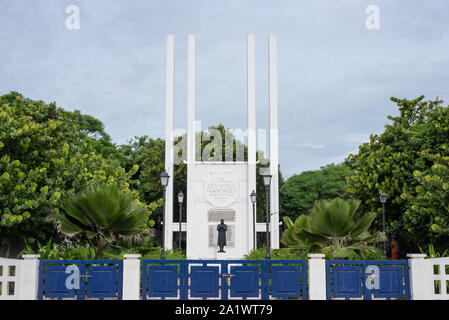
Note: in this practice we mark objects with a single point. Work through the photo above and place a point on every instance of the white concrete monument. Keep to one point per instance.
(221, 190)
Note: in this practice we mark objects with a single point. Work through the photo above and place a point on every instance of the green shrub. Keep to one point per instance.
(432, 253)
(52, 251)
(145, 252)
(280, 254)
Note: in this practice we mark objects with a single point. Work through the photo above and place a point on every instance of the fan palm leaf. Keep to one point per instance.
(103, 214)
(332, 225)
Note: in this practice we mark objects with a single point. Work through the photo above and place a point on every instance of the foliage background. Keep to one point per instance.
(409, 161)
(46, 151)
(299, 193)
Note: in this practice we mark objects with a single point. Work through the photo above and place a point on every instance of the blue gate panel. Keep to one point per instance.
(207, 279)
(348, 279)
(55, 283)
(204, 282)
(97, 279)
(163, 281)
(102, 283)
(347, 282)
(285, 281)
(392, 282)
(245, 282)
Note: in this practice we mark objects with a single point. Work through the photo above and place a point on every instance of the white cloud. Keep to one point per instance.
(335, 77)
(310, 146)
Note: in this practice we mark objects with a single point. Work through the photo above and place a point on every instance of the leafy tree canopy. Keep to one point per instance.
(409, 161)
(299, 193)
(46, 152)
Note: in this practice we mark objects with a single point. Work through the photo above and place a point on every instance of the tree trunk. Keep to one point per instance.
(99, 253)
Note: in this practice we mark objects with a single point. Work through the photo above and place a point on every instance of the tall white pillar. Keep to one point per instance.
(274, 155)
(252, 147)
(190, 140)
(169, 156)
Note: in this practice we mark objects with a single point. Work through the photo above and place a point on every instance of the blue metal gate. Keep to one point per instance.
(224, 279)
(100, 279)
(349, 279)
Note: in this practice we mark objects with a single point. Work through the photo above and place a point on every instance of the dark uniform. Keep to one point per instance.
(221, 228)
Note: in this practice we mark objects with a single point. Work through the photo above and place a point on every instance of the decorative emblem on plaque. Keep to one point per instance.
(221, 188)
(221, 193)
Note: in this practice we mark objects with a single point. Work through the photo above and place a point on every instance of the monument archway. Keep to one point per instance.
(221, 190)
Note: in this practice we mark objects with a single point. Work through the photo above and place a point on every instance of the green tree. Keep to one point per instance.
(94, 128)
(149, 155)
(401, 161)
(332, 228)
(44, 154)
(430, 205)
(103, 215)
(299, 192)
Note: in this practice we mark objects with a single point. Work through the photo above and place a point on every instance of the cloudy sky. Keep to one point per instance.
(335, 75)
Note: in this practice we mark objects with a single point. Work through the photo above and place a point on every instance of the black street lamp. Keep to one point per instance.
(383, 199)
(159, 228)
(266, 182)
(180, 200)
(164, 182)
(253, 197)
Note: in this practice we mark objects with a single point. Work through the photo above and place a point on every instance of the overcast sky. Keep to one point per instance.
(335, 75)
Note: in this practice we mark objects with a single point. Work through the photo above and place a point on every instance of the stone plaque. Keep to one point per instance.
(213, 236)
(217, 215)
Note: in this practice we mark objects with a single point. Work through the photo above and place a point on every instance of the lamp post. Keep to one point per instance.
(253, 200)
(180, 200)
(159, 228)
(267, 181)
(164, 182)
(383, 200)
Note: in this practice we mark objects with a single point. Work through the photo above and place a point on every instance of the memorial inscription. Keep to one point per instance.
(215, 216)
(221, 193)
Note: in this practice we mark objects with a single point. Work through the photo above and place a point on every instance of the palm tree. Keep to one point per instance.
(331, 228)
(102, 214)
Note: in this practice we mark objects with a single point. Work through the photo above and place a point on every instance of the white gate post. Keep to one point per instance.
(317, 276)
(420, 277)
(131, 277)
(29, 277)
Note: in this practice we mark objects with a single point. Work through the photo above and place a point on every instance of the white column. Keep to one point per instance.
(190, 141)
(317, 277)
(421, 283)
(169, 156)
(29, 277)
(191, 100)
(131, 277)
(274, 158)
(252, 142)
